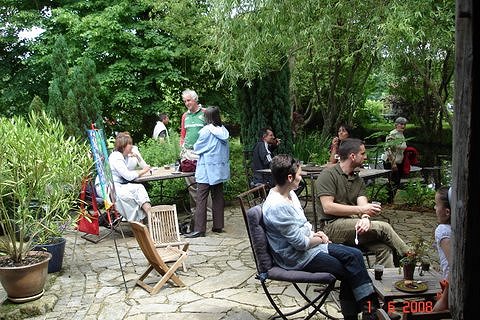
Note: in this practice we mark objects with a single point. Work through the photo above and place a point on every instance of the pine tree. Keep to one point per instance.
(266, 103)
(36, 105)
(73, 93)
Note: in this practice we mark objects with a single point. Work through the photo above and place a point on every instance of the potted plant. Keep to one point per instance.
(40, 179)
(416, 254)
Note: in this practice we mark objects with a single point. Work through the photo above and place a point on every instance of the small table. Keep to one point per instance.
(162, 174)
(158, 174)
(387, 292)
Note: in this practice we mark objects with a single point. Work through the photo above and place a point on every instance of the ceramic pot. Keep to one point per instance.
(408, 271)
(57, 249)
(25, 283)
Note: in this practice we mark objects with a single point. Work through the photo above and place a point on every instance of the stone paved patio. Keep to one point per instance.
(220, 281)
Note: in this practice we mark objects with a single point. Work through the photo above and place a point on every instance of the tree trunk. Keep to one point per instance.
(464, 274)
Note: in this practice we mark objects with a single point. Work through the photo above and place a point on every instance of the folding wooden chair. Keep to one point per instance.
(163, 226)
(267, 270)
(158, 259)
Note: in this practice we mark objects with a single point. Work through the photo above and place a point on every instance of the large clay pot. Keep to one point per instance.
(57, 249)
(408, 270)
(25, 283)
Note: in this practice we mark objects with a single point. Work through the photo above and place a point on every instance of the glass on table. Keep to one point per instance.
(378, 269)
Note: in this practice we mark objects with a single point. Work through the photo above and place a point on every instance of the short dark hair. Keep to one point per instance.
(281, 166)
(263, 132)
(348, 146)
(212, 115)
(162, 116)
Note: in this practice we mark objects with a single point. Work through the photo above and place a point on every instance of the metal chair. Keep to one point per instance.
(267, 270)
(163, 226)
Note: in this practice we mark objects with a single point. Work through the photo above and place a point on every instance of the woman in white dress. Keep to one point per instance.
(132, 199)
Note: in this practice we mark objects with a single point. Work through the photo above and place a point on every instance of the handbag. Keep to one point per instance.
(188, 165)
(88, 222)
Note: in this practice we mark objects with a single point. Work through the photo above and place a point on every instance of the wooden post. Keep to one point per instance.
(464, 272)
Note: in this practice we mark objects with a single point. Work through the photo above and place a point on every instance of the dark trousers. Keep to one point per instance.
(218, 204)
(347, 265)
(395, 177)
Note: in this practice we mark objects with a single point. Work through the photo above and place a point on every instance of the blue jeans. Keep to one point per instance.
(347, 265)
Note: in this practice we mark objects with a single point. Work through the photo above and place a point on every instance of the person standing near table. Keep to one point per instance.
(160, 131)
(393, 156)
(193, 120)
(213, 169)
(345, 210)
(296, 247)
(132, 200)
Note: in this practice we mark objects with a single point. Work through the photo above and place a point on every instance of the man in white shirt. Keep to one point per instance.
(160, 131)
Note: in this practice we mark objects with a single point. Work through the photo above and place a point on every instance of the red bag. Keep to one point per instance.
(87, 222)
(188, 165)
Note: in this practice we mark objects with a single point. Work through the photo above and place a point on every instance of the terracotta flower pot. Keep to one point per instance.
(25, 283)
(408, 270)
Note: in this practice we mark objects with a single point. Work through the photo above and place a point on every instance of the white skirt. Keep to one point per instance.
(129, 201)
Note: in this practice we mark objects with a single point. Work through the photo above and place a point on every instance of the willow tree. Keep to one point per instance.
(330, 47)
(419, 46)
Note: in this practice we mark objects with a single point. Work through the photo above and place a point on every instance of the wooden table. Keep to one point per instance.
(410, 301)
(162, 174)
(158, 174)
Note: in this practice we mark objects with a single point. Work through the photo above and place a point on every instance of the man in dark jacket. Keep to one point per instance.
(262, 156)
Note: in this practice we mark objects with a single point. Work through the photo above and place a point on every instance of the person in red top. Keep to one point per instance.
(192, 121)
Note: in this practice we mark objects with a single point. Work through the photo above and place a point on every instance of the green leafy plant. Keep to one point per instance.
(312, 148)
(418, 194)
(418, 252)
(41, 173)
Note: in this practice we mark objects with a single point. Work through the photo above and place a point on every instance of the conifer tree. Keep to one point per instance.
(266, 103)
(73, 92)
(37, 104)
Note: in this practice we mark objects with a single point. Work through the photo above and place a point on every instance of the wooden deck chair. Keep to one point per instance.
(158, 259)
(267, 271)
(163, 226)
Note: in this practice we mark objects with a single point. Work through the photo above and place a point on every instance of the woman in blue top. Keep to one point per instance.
(296, 247)
(213, 169)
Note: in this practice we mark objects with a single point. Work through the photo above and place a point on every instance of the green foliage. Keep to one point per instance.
(418, 252)
(158, 153)
(370, 112)
(419, 39)
(418, 194)
(330, 47)
(377, 192)
(73, 92)
(37, 105)
(41, 173)
(266, 103)
(312, 148)
(237, 183)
